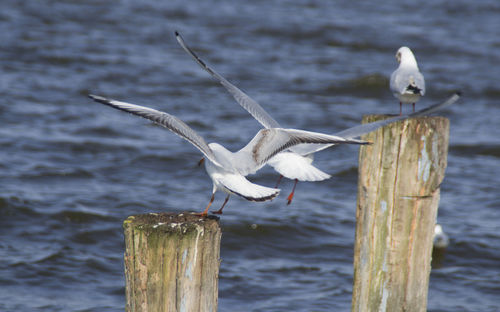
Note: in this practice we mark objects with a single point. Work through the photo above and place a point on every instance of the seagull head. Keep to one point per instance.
(438, 230)
(405, 57)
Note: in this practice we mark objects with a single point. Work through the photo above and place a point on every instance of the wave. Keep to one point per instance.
(469, 150)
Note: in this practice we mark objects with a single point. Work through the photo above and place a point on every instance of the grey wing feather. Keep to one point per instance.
(269, 142)
(166, 120)
(415, 80)
(360, 130)
(420, 82)
(241, 97)
(403, 77)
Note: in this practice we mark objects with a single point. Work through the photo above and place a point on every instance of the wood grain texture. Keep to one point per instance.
(171, 262)
(398, 197)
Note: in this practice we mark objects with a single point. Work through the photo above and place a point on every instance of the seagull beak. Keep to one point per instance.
(201, 161)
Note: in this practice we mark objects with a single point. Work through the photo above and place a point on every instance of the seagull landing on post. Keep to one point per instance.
(407, 83)
(227, 169)
(296, 163)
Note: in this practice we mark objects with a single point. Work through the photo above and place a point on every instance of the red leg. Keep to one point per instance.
(290, 197)
(400, 108)
(205, 212)
(220, 210)
(413, 107)
(279, 180)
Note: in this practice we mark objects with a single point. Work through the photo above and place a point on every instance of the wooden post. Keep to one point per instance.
(171, 262)
(398, 197)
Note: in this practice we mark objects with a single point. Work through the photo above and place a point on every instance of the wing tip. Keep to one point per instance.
(264, 198)
(359, 142)
(179, 38)
(98, 98)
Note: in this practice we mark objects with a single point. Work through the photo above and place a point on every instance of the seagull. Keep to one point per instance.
(440, 239)
(295, 163)
(226, 169)
(407, 83)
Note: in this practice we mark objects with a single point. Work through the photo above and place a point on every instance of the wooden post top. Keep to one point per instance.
(169, 221)
(171, 262)
(374, 117)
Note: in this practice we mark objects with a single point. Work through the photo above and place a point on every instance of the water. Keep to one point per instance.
(72, 170)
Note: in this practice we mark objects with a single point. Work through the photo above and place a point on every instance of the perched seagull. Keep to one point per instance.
(295, 163)
(226, 169)
(440, 240)
(407, 83)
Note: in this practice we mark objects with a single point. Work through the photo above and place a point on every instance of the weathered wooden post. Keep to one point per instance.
(171, 262)
(398, 197)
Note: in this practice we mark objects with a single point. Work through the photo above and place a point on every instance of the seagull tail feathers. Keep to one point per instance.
(240, 186)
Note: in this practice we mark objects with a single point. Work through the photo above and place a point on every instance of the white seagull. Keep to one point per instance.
(440, 239)
(226, 169)
(296, 162)
(407, 83)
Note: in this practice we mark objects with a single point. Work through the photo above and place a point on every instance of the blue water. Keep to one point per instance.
(72, 170)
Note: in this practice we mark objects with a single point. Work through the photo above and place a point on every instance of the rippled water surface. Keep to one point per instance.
(72, 170)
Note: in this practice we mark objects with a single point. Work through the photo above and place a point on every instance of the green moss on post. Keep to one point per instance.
(398, 197)
(171, 262)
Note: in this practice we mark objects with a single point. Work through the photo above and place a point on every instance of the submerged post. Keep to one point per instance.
(398, 196)
(171, 262)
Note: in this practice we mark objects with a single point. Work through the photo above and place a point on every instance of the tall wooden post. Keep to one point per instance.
(398, 197)
(171, 262)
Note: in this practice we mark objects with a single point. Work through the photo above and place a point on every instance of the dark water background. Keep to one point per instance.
(72, 170)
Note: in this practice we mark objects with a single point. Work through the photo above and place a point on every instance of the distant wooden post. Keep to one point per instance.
(398, 197)
(171, 262)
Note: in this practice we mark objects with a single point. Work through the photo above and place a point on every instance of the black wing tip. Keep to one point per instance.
(414, 89)
(98, 98)
(177, 33)
(191, 52)
(360, 142)
(459, 92)
(261, 199)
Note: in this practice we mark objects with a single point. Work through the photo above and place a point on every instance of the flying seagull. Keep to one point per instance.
(295, 163)
(407, 83)
(226, 169)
